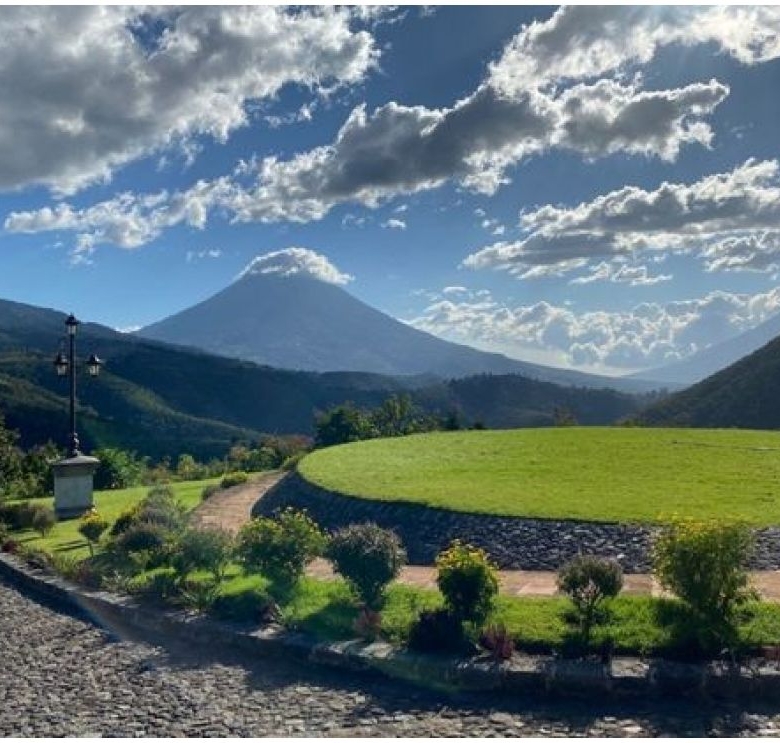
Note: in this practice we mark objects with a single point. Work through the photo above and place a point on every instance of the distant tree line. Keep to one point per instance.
(396, 416)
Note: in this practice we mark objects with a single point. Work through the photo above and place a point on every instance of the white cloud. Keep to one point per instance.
(294, 261)
(730, 220)
(454, 290)
(394, 224)
(619, 273)
(405, 149)
(88, 89)
(128, 220)
(648, 335)
(585, 42)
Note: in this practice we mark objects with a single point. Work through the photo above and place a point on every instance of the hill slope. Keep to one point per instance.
(298, 322)
(162, 400)
(744, 395)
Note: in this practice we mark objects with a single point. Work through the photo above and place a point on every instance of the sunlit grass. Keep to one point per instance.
(598, 474)
(64, 538)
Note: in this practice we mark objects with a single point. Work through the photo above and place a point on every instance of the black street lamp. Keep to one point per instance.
(67, 366)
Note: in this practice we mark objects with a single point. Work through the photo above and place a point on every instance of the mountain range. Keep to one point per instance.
(744, 395)
(161, 400)
(299, 322)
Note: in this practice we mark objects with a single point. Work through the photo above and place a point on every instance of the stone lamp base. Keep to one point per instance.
(73, 485)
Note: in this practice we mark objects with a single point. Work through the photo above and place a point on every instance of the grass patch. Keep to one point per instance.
(595, 474)
(64, 538)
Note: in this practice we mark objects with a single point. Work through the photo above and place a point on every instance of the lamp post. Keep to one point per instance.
(73, 475)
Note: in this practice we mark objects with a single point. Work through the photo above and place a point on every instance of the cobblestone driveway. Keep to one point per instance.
(61, 676)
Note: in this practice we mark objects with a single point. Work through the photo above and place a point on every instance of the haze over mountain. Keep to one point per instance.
(163, 400)
(711, 360)
(297, 321)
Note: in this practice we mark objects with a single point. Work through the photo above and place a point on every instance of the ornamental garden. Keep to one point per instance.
(705, 493)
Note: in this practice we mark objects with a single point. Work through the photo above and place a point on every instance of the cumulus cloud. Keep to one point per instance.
(297, 261)
(647, 335)
(543, 93)
(88, 89)
(128, 220)
(585, 42)
(394, 224)
(730, 220)
(405, 149)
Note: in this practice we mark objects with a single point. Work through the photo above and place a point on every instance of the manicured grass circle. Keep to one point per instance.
(594, 474)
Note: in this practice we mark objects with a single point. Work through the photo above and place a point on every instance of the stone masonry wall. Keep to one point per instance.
(514, 543)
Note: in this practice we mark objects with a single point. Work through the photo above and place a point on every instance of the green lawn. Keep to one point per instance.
(64, 538)
(635, 625)
(598, 474)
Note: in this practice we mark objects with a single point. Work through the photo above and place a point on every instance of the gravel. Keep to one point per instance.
(63, 676)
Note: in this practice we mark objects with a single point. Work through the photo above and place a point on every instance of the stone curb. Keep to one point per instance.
(522, 675)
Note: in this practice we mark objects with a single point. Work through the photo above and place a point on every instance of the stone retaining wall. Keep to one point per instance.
(514, 543)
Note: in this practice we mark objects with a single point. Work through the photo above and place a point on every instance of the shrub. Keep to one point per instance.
(124, 521)
(206, 549)
(368, 557)
(497, 641)
(209, 490)
(160, 507)
(43, 520)
(234, 478)
(468, 581)
(117, 469)
(704, 564)
(142, 536)
(291, 462)
(588, 581)
(280, 547)
(198, 595)
(160, 586)
(247, 606)
(437, 631)
(91, 527)
(18, 515)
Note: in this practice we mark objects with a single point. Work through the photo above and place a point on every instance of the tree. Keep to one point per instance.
(117, 469)
(10, 460)
(341, 425)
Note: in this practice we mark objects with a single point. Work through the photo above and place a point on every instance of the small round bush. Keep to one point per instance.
(247, 606)
(234, 478)
(368, 557)
(437, 631)
(43, 520)
(203, 549)
(142, 536)
(468, 581)
(18, 515)
(279, 548)
(588, 581)
(91, 527)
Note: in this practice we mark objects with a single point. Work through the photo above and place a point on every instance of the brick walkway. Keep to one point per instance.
(231, 508)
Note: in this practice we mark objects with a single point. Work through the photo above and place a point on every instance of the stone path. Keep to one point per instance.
(231, 508)
(63, 676)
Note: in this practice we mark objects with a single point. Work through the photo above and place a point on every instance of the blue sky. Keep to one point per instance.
(587, 187)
